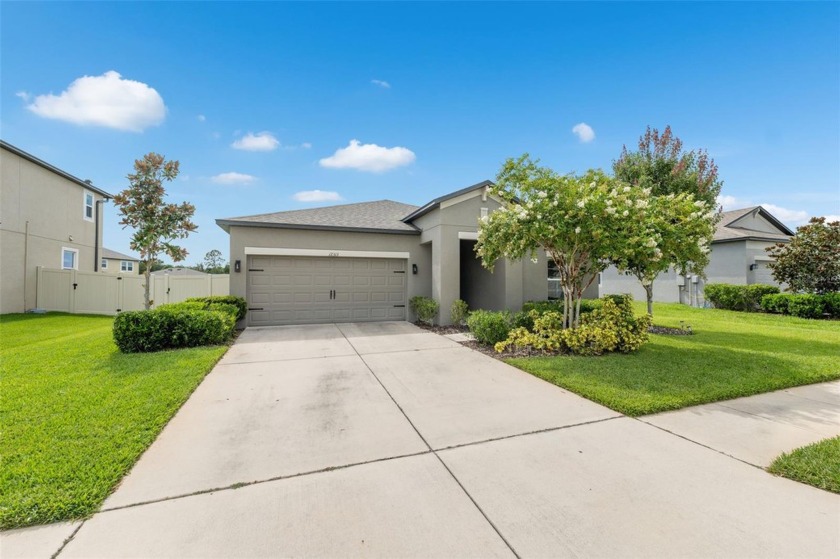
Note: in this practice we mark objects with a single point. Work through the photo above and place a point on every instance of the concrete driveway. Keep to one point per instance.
(382, 440)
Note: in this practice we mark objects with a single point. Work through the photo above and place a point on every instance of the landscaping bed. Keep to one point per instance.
(77, 413)
(731, 354)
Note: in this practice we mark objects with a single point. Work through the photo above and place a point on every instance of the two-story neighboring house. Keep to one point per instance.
(48, 218)
(117, 263)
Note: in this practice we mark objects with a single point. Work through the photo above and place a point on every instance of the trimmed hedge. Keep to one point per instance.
(240, 303)
(425, 308)
(171, 328)
(803, 305)
(738, 297)
(489, 327)
(232, 310)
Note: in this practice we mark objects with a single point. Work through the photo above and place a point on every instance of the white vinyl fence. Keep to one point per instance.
(95, 293)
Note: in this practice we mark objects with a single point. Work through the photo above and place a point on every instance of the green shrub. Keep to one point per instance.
(489, 327)
(227, 308)
(525, 319)
(752, 295)
(612, 327)
(737, 297)
(776, 303)
(240, 303)
(832, 304)
(425, 308)
(458, 312)
(806, 306)
(171, 328)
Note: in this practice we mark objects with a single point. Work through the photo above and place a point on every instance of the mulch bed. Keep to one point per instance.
(442, 330)
(666, 331)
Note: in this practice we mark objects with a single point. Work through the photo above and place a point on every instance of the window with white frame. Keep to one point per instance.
(88, 215)
(126, 266)
(69, 258)
(104, 264)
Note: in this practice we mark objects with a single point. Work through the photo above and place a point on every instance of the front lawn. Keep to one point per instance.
(731, 354)
(77, 414)
(817, 464)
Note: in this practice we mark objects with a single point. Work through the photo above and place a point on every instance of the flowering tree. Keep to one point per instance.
(583, 222)
(810, 262)
(661, 165)
(667, 231)
(156, 223)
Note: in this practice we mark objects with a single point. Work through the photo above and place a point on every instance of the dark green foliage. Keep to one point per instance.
(160, 329)
(240, 303)
(832, 304)
(425, 308)
(525, 320)
(810, 262)
(806, 305)
(489, 327)
(737, 297)
(459, 312)
(776, 303)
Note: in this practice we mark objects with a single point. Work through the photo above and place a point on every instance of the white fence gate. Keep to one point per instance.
(95, 293)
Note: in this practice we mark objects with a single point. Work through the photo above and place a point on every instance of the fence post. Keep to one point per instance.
(39, 282)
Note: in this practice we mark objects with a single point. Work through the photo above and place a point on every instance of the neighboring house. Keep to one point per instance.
(113, 262)
(363, 262)
(178, 272)
(737, 257)
(48, 218)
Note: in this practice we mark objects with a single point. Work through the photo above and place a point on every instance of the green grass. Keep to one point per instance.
(731, 354)
(817, 464)
(76, 414)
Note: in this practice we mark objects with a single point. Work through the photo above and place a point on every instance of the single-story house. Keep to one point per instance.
(737, 256)
(364, 261)
(117, 263)
(48, 218)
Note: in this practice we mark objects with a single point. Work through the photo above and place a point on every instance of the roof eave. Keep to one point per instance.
(227, 224)
(423, 210)
(41, 163)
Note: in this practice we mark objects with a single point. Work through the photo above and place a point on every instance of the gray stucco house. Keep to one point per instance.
(363, 262)
(737, 257)
(48, 218)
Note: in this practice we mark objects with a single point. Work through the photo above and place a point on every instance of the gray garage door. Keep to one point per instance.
(310, 290)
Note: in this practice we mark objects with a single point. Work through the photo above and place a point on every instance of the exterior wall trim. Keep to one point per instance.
(467, 236)
(279, 251)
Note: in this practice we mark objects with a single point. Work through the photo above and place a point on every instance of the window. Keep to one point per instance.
(126, 266)
(69, 258)
(88, 206)
(104, 264)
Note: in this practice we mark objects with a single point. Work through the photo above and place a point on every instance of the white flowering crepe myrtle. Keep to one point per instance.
(584, 222)
(671, 230)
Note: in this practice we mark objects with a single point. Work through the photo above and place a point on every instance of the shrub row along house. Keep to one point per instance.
(48, 218)
(362, 262)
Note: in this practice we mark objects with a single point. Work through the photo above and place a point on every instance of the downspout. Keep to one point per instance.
(25, 264)
(96, 236)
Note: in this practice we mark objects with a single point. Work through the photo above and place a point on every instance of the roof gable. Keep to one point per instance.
(741, 224)
(434, 204)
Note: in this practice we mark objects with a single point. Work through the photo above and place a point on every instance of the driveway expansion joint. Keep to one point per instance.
(68, 539)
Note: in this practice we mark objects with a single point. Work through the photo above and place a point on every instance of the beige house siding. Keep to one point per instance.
(41, 212)
(114, 267)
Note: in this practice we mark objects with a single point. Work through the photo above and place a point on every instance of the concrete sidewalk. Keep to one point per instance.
(382, 440)
(757, 429)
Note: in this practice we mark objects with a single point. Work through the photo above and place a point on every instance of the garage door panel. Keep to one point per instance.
(305, 290)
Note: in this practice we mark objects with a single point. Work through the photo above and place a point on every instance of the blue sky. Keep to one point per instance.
(260, 102)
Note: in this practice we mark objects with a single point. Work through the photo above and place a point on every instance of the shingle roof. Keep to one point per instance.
(113, 254)
(436, 202)
(178, 272)
(380, 216)
(726, 232)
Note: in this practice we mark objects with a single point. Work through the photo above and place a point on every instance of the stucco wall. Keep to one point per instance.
(54, 209)
(665, 286)
(114, 268)
(267, 237)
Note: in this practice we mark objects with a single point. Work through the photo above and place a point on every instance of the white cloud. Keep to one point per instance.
(381, 83)
(23, 95)
(263, 141)
(233, 178)
(368, 157)
(789, 217)
(733, 203)
(317, 196)
(201, 118)
(107, 100)
(306, 145)
(584, 132)
(830, 218)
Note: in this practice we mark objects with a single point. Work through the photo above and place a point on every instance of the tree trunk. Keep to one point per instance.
(649, 291)
(148, 273)
(577, 311)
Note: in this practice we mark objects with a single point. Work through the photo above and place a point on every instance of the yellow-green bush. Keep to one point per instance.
(612, 327)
